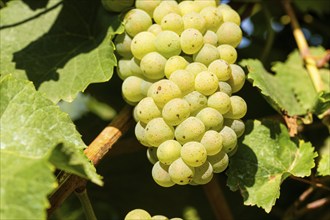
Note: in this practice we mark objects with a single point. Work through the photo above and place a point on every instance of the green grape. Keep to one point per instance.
(213, 18)
(207, 54)
(184, 79)
(237, 125)
(219, 101)
(193, 153)
(206, 83)
(160, 173)
(229, 14)
(205, 3)
(135, 69)
(180, 172)
(123, 69)
(238, 108)
(159, 217)
(131, 89)
(221, 69)
(237, 78)
(175, 111)
(191, 41)
(135, 115)
(191, 129)
(219, 161)
(176, 218)
(123, 45)
(210, 37)
(227, 53)
(164, 8)
(172, 22)
(229, 33)
(142, 44)
(174, 63)
(147, 6)
(155, 29)
(211, 118)
(194, 20)
(140, 134)
(152, 65)
(231, 153)
(163, 91)
(168, 151)
(145, 85)
(116, 5)
(152, 155)
(212, 141)
(195, 68)
(196, 100)
(188, 7)
(225, 87)
(167, 43)
(203, 173)
(157, 131)
(147, 109)
(138, 214)
(229, 139)
(136, 21)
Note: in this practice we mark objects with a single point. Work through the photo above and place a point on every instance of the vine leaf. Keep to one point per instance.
(266, 156)
(36, 137)
(323, 168)
(61, 48)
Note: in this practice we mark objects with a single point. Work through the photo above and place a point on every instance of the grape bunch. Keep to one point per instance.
(177, 63)
(142, 214)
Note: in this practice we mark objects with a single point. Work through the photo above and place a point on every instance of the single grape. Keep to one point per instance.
(203, 174)
(157, 131)
(175, 111)
(197, 101)
(206, 82)
(213, 18)
(191, 41)
(116, 5)
(140, 134)
(147, 6)
(131, 89)
(203, 4)
(191, 129)
(147, 109)
(167, 43)
(174, 63)
(207, 54)
(145, 85)
(123, 45)
(163, 91)
(159, 217)
(184, 80)
(229, 14)
(193, 153)
(172, 22)
(165, 8)
(155, 29)
(219, 101)
(227, 53)
(237, 78)
(142, 44)
(194, 20)
(152, 65)
(168, 151)
(231, 153)
(123, 69)
(135, 69)
(210, 37)
(229, 33)
(219, 161)
(237, 125)
(136, 21)
(221, 69)
(238, 108)
(180, 172)
(211, 118)
(188, 7)
(160, 173)
(152, 155)
(195, 68)
(212, 141)
(229, 139)
(225, 87)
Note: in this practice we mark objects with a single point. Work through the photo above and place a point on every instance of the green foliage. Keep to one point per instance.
(323, 168)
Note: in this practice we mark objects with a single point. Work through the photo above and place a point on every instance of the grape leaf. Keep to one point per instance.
(61, 48)
(319, 6)
(266, 156)
(323, 168)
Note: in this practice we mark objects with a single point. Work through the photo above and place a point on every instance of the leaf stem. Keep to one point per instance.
(312, 183)
(82, 195)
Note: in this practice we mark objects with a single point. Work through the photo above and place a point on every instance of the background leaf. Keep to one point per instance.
(323, 168)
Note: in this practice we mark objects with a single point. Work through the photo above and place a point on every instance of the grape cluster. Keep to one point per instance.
(142, 214)
(178, 66)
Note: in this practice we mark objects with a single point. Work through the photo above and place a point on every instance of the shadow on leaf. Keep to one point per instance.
(34, 5)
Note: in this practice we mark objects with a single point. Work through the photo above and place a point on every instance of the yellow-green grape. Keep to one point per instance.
(136, 21)
(168, 151)
(167, 43)
(237, 125)
(197, 101)
(231, 153)
(225, 87)
(140, 134)
(206, 83)
(152, 155)
(203, 4)
(134, 115)
(157, 131)
(159, 217)
(211, 37)
(229, 33)
(163, 9)
(152, 65)
(155, 29)
(219, 161)
(123, 45)
(160, 173)
(212, 141)
(142, 44)
(227, 53)
(191, 41)
(238, 108)
(175, 111)
(194, 20)
(172, 22)
(207, 54)
(184, 79)
(193, 153)
(123, 69)
(131, 89)
(203, 173)
(116, 5)
(221, 69)
(138, 214)
(229, 14)
(211, 118)
(237, 78)
(229, 139)
(188, 7)
(180, 172)
(191, 129)
(213, 18)
(145, 85)
(147, 6)
(147, 109)
(219, 101)
(195, 68)
(174, 63)
(176, 218)
(134, 66)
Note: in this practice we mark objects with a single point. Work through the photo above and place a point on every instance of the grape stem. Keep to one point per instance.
(82, 195)
(312, 183)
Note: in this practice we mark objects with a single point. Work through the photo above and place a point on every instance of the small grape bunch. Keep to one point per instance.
(177, 63)
(141, 214)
